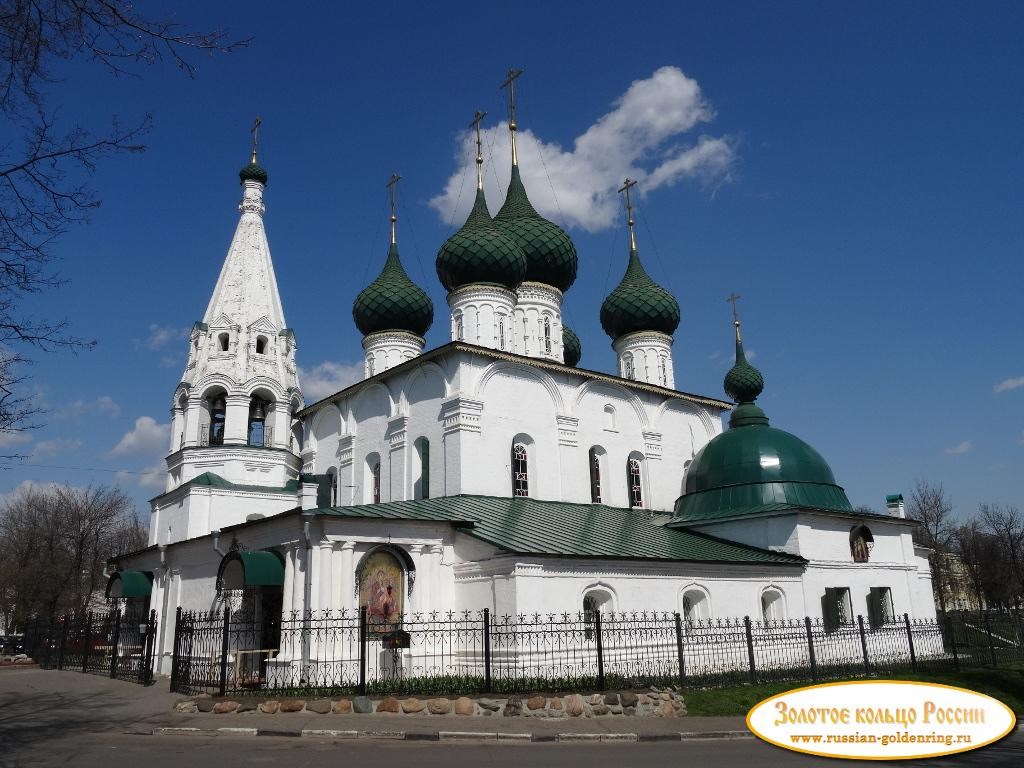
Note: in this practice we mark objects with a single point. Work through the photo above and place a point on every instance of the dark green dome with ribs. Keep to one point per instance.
(393, 302)
(638, 304)
(550, 255)
(480, 253)
(253, 172)
(571, 350)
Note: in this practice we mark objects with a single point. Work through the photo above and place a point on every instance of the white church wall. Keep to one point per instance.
(778, 532)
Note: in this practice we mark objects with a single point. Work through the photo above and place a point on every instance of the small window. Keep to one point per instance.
(261, 345)
(501, 332)
(838, 609)
(375, 478)
(222, 342)
(421, 486)
(595, 476)
(371, 493)
(459, 331)
(520, 470)
(663, 372)
(880, 610)
(636, 494)
(627, 366)
(696, 606)
(772, 607)
(596, 600)
(609, 417)
(547, 334)
(861, 543)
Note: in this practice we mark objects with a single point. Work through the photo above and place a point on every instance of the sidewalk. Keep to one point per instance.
(39, 704)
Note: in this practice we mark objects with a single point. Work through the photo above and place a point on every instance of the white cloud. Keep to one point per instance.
(1020, 439)
(160, 335)
(963, 447)
(11, 439)
(327, 378)
(26, 485)
(1007, 384)
(639, 138)
(153, 477)
(76, 409)
(147, 438)
(105, 404)
(47, 449)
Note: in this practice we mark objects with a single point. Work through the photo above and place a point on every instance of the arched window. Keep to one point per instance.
(458, 326)
(696, 606)
(635, 483)
(382, 591)
(861, 542)
(772, 606)
(501, 332)
(627, 365)
(547, 334)
(609, 417)
(222, 341)
(327, 490)
(372, 487)
(261, 345)
(595, 475)
(259, 433)
(663, 371)
(369, 366)
(595, 600)
(218, 409)
(520, 470)
(421, 486)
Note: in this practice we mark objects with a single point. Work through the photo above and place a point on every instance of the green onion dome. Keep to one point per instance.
(480, 253)
(754, 468)
(393, 302)
(571, 350)
(638, 304)
(550, 255)
(253, 172)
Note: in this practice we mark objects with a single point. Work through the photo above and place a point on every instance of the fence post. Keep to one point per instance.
(176, 651)
(146, 660)
(600, 650)
(224, 652)
(910, 642)
(85, 646)
(362, 651)
(679, 649)
(63, 640)
(114, 642)
(49, 642)
(863, 644)
(810, 650)
(991, 644)
(750, 648)
(950, 629)
(487, 650)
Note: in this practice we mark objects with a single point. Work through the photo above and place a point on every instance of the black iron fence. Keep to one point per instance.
(116, 643)
(477, 652)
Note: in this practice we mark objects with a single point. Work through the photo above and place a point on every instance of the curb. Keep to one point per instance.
(327, 733)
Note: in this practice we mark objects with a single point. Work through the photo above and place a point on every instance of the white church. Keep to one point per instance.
(491, 472)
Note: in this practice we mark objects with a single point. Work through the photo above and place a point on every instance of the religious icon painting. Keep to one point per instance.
(381, 591)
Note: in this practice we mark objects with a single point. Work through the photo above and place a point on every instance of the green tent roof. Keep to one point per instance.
(531, 526)
(638, 304)
(393, 302)
(261, 569)
(130, 584)
(479, 253)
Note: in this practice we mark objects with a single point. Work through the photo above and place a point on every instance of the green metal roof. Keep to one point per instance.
(638, 304)
(393, 302)
(260, 569)
(555, 528)
(550, 255)
(130, 584)
(213, 480)
(479, 253)
(253, 172)
(571, 349)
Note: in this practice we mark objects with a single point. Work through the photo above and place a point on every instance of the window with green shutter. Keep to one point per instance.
(880, 610)
(837, 609)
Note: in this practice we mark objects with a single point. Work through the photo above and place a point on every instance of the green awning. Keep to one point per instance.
(259, 569)
(130, 584)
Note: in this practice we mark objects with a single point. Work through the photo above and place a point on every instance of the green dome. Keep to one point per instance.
(480, 253)
(393, 302)
(752, 467)
(638, 304)
(550, 255)
(253, 172)
(571, 350)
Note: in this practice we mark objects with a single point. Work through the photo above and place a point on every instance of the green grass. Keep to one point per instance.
(1005, 684)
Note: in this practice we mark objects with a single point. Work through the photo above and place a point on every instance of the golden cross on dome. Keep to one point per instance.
(627, 185)
(475, 123)
(733, 298)
(393, 186)
(255, 136)
(510, 83)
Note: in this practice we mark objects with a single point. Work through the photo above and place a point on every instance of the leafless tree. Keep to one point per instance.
(932, 509)
(1006, 524)
(54, 543)
(44, 174)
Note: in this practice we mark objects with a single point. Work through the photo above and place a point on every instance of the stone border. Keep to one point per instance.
(665, 703)
(347, 735)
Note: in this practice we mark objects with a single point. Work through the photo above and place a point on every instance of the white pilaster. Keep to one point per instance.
(484, 315)
(646, 356)
(538, 321)
(337, 596)
(347, 581)
(387, 349)
(437, 598)
(416, 603)
(326, 586)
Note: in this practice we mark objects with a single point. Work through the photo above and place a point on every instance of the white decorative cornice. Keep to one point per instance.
(345, 450)
(652, 444)
(397, 431)
(568, 427)
(461, 414)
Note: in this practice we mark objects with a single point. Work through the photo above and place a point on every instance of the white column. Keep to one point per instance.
(441, 601)
(347, 582)
(236, 420)
(651, 355)
(337, 598)
(324, 582)
(416, 599)
(287, 605)
(298, 582)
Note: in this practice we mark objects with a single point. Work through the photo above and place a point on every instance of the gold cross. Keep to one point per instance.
(255, 136)
(511, 84)
(393, 185)
(733, 298)
(475, 123)
(626, 186)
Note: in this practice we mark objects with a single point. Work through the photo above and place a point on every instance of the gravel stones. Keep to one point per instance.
(269, 707)
(464, 706)
(390, 704)
(362, 705)
(342, 707)
(320, 706)
(439, 706)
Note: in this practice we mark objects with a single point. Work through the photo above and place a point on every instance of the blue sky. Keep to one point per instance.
(863, 196)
